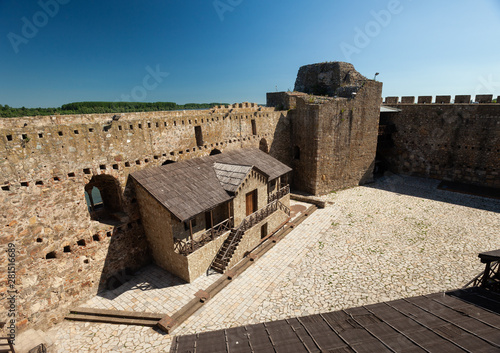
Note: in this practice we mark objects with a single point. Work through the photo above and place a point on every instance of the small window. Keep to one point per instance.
(6, 188)
(81, 242)
(115, 166)
(9, 137)
(76, 132)
(127, 164)
(254, 127)
(67, 248)
(102, 166)
(51, 255)
(60, 133)
(40, 135)
(296, 153)
(24, 183)
(71, 175)
(120, 127)
(199, 135)
(86, 171)
(96, 237)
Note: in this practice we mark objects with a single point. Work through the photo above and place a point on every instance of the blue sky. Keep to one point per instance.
(59, 51)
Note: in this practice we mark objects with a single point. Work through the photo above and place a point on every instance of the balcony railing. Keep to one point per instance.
(263, 213)
(284, 190)
(186, 247)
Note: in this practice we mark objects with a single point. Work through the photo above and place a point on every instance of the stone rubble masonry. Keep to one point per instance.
(455, 142)
(333, 138)
(64, 257)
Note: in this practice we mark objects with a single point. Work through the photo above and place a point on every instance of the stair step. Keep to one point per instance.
(118, 313)
(112, 320)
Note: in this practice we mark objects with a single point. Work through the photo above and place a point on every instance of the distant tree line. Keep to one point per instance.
(101, 108)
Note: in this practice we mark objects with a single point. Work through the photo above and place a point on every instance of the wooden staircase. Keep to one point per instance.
(223, 257)
(227, 250)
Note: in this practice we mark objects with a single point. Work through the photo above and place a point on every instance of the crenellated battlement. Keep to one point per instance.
(459, 99)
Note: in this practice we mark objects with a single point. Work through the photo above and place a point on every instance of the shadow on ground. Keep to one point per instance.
(414, 186)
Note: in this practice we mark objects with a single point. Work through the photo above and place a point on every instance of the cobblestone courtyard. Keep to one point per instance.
(399, 237)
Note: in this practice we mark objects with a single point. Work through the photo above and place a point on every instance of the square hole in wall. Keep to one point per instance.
(39, 182)
(81, 242)
(172, 153)
(60, 133)
(76, 132)
(5, 188)
(140, 126)
(131, 127)
(51, 255)
(120, 127)
(67, 248)
(91, 130)
(157, 125)
(25, 136)
(56, 178)
(40, 135)
(71, 175)
(96, 237)
(156, 157)
(102, 166)
(115, 166)
(86, 171)
(127, 164)
(149, 125)
(108, 234)
(9, 137)
(165, 123)
(39, 240)
(146, 160)
(24, 183)
(138, 162)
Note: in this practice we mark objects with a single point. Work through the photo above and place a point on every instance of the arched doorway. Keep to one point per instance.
(168, 161)
(215, 151)
(103, 197)
(263, 146)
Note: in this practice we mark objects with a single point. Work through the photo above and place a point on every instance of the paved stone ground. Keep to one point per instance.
(397, 238)
(152, 290)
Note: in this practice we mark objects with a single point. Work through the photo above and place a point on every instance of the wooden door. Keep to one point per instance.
(251, 202)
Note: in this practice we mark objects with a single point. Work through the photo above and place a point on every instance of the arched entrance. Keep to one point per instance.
(104, 201)
(168, 161)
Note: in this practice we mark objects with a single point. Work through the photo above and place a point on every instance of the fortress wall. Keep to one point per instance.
(457, 142)
(64, 257)
(347, 139)
(459, 99)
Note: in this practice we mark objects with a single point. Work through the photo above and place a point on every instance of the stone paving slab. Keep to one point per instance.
(397, 238)
(152, 290)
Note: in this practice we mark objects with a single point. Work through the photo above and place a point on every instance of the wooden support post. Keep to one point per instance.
(191, 234)
(486, 274)
(212, 223)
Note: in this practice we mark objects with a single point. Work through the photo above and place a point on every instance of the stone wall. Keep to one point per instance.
(64, 256)
(334, 140)
(457, 142)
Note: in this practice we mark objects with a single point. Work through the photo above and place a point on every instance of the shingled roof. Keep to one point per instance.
(190, 187)
(458, 321)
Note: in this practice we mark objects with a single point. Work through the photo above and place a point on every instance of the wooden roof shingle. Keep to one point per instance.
(193, 186)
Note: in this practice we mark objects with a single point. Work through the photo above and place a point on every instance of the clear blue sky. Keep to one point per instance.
(237, 50)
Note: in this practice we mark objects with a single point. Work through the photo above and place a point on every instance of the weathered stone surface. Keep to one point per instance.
(329, 79)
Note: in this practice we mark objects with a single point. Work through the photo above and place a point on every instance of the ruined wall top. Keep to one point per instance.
(459, 99)
(329, 79)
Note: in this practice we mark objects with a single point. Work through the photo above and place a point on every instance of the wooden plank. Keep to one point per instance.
(118, 313)
(111, 320)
